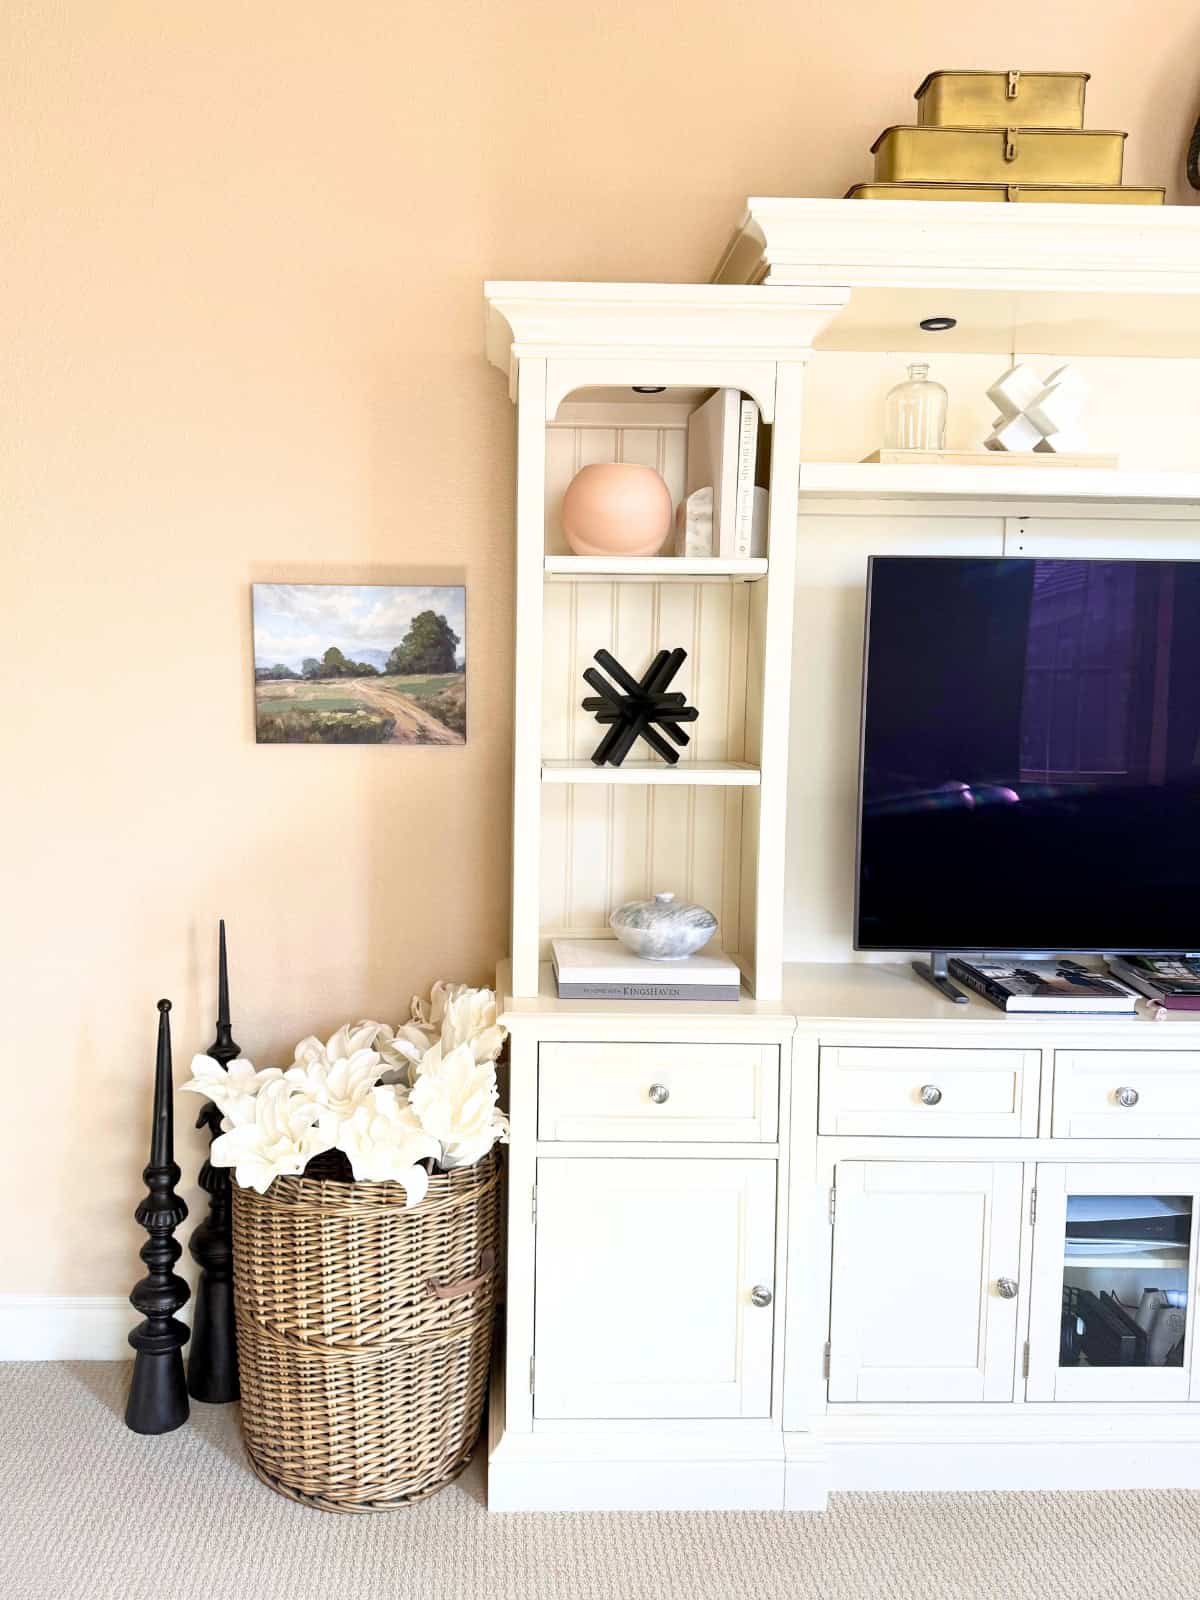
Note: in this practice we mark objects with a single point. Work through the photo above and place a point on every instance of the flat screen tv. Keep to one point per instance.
(1030, 774)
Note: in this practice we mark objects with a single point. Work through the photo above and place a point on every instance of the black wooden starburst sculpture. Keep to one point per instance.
(634, 706)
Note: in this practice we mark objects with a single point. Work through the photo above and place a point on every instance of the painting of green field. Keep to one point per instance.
(362, 664)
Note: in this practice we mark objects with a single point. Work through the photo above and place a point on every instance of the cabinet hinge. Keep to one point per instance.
(828, 1353)
(833, 1204)
(1032, 1207)
(531, 1374)
(533, 1204)
(1025, 1361)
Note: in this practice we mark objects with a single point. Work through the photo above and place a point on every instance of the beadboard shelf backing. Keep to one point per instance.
(603, 844)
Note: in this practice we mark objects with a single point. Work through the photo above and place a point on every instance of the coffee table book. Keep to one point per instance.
(602, 969)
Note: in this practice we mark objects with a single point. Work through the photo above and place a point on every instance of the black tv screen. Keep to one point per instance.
(1030, 773)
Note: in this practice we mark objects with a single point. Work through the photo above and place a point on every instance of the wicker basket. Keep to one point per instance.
(364, 1332)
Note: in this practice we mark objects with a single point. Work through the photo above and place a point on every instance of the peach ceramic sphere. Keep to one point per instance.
(616, 509)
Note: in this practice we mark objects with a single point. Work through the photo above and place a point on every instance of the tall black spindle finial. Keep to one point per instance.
(158, 1398)
(212, 1366)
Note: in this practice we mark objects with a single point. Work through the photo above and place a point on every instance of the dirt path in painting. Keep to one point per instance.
(413, 726)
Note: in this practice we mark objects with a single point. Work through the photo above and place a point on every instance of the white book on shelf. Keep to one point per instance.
(743, 527)
(602, 969)
(712, 462)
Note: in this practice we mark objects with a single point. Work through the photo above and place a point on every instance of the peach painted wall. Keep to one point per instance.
(243, 339)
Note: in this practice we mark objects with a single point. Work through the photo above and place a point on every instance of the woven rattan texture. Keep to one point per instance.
(363, 1390)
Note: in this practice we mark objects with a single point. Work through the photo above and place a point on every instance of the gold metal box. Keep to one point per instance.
(1002, 99)
(1020, 193)
(997, 155)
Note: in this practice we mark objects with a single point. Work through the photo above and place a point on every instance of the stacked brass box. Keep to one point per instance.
(1006, 136)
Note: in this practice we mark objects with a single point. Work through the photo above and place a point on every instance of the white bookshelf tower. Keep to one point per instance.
(611, 372)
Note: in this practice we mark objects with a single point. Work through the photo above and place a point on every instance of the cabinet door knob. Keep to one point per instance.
(659, 1093)
(1126, 1096)
(760, 1295)
(1006, 1288)
(930, 1094)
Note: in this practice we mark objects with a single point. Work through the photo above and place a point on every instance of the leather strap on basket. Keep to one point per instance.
(454, 1291)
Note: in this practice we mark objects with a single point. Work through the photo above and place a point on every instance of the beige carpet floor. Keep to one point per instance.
(88, 1511)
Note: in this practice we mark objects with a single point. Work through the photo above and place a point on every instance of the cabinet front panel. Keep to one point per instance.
(1127, 1094)
(645, 1277)
(1114, 1282)
(923, 1092)
(660, 1092)
(925, 1255)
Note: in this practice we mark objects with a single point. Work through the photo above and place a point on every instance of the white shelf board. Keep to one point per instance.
(713, 774)
(1170, 1256)
(655, 568)
(1105, 485)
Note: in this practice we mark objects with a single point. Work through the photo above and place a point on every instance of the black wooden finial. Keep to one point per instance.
(212, 1365)
(158, 1395)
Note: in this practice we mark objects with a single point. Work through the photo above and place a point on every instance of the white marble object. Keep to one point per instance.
(694, 524)
(662, 929)
(1038, 416)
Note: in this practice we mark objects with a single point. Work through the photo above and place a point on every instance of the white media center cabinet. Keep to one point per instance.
(815, 1239)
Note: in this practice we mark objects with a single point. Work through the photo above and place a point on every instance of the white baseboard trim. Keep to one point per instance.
(53, 1327)
(957, 1466)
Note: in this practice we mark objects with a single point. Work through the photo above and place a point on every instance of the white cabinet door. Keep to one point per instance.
(1109, 1235)
(646, 1273)
(925, 1267)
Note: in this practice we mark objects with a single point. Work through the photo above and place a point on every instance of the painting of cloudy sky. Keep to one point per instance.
(359, 664)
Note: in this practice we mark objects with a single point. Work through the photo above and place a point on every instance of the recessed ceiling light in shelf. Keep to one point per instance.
(649, 388)
(938, 324)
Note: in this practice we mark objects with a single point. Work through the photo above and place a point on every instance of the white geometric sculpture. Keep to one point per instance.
(1036, 415)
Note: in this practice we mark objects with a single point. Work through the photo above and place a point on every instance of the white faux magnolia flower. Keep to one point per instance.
(469, 1017)
(281, 1140)
(339, 1086)
(233, 1089)
(340, 1046)
(384, 1142)
(455, 1099)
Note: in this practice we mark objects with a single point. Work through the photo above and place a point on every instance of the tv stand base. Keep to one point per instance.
(934, 971)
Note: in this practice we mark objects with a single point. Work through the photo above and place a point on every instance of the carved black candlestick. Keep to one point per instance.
(212, 1365)
(158, 1398)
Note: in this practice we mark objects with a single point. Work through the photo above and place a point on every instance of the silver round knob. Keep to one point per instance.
(760, 1295)
(659, 1093)
(1006, 1288)
(930, 1094)
(1125, 1096)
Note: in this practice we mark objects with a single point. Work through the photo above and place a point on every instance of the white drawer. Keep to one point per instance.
(658, 1092)
(1093, 1090)
(918, 1092)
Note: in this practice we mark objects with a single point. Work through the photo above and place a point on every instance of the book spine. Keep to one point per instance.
(981, 985)
(743, 525)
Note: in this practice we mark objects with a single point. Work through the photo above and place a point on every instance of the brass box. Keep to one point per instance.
(1002, 99)
(1020, 193)
(997, 155)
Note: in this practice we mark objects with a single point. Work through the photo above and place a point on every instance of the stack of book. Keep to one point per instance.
(1172, 982)
(724, 512)
(1043, 986)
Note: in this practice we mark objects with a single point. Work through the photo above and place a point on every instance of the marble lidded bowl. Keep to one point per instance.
(662, 929)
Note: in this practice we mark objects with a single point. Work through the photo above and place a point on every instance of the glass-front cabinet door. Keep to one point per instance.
(1114, 1278)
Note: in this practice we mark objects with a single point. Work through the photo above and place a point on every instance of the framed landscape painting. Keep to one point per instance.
(359, 664)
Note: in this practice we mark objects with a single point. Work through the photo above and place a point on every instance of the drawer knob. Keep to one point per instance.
(760, 1295)
(930, 1094)
(1127, 1096)
(1006, 1288)
(659, 1093)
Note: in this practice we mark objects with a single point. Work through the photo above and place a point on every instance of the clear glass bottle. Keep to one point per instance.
(915, 413)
